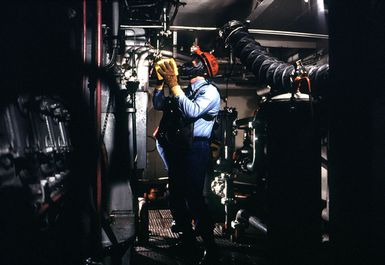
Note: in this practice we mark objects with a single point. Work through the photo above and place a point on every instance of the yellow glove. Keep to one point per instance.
(166, 70)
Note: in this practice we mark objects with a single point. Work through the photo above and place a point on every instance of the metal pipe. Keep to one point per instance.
(252, 31)
(99, 48)
(189, 28)
(63, 134)
(140, 26)
(165, 19)
(250, 166)
(84, 48)
(289, 33)
(243, 218)
(115, 22)
(170, 54)
(257, 224)
(174, 43)
(99, 41)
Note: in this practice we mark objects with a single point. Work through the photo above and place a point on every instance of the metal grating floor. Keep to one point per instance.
(159, 224)
(159, 249)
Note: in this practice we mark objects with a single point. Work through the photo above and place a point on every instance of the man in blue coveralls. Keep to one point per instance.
(184, 134)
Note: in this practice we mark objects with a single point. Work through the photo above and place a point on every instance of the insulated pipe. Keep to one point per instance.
(267, 69)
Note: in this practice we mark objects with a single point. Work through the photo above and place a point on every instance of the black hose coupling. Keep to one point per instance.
(229, 28)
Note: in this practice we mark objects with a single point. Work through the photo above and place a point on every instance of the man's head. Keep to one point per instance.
(203, 64)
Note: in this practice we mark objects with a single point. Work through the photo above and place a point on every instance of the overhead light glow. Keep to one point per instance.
(321, 5)
(306, 1)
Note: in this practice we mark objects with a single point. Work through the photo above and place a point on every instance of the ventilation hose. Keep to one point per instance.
(267, 69)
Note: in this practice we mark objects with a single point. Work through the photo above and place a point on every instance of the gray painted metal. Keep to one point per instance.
(260, 10)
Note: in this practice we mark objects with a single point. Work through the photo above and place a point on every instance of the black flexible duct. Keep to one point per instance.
(267, 69)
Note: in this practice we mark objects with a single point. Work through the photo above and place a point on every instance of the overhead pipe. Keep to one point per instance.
(252, 31)
(152, 51)
(267, 69)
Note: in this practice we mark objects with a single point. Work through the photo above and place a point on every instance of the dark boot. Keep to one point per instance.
(187, 247)
(211, 253)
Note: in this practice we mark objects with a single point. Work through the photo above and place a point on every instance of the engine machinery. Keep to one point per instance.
(36, 170)
(74, 113)
(281, 150)
(36, 147)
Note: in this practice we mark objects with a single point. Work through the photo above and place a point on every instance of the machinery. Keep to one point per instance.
(73, 149)
(281, 150)
(79, 173)
(36, 148)
(74, 134)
